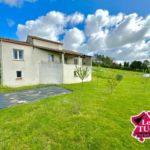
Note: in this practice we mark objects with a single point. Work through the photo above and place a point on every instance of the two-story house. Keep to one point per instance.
(38, 61)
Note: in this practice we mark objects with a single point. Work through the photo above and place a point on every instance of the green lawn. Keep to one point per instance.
(85, 119)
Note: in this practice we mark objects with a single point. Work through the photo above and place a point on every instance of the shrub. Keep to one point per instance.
(141, 70)
(125, 68)
(130, 68)
(117, 67)
(119, 77)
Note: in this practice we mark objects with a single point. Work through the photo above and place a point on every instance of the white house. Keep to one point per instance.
(38, 61)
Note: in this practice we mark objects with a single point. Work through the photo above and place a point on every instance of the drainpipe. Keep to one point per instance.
(63, 68)
(1, 62)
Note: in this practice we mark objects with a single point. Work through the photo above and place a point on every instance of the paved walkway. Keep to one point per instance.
(18, 97)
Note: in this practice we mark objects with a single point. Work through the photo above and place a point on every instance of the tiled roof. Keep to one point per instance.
(15, 41)
(71, 52)
(47, 48)
(57, 50)
(41, 47)
(41, 39)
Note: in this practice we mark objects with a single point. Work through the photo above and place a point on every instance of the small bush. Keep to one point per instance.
(125, 68)
(130, 68)
(117, 67)
(119, 77)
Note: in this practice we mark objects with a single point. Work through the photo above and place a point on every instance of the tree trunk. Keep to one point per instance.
(144, 86)
(111, 91)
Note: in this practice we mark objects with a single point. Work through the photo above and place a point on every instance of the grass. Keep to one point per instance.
(85, 119)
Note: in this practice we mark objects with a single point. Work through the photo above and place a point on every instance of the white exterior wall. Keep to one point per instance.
(47, 44)
(69, 75)
(29, 67)
(1, 67)
(32, 74)
(51, 73)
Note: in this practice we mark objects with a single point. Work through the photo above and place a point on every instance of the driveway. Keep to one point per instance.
(19, 97)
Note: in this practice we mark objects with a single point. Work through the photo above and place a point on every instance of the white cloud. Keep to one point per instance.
(119, 51)
(121, 36)
(73, 39)
(17, 3)
(131, 30)
(76, 18)
(50, 26)
(10, 22)
(101, 19)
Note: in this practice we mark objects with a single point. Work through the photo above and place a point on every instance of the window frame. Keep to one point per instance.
(75, 74)
(18, 54)
(17, 74)
(75, 60)
(52, 56)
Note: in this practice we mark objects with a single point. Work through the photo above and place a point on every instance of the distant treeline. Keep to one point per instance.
(108, 62)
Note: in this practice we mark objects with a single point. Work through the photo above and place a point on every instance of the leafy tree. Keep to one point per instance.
(101, 59)
(82, 73)
(144, 66)
(119, 77)
(136, 64)
(112, 82)
(99, 73)
(146, 62)
(95, 57)
(114, 64)
(125, 64)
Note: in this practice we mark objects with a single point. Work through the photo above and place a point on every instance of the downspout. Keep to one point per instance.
(1, 62)
(63, 68)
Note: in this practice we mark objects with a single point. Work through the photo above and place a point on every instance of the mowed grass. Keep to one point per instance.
(85, 119)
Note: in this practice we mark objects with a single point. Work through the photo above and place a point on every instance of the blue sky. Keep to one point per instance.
(16, 14)
(31, 11)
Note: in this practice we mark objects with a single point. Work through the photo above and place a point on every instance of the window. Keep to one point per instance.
(50, 58)
(75, 73)
(65, 60)
(19, 74)
(75, 61)
(18, 54)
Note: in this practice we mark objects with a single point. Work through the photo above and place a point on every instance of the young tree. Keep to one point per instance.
(82, 73)
(99, 73)
(145, 79)
(112, 82)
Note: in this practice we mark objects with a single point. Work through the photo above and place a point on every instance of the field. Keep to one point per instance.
(85, 119)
